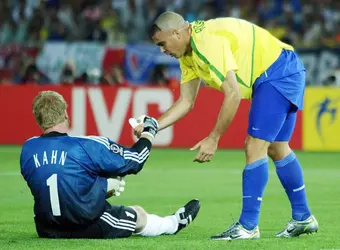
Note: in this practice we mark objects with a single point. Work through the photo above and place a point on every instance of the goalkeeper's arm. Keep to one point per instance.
(136, 156)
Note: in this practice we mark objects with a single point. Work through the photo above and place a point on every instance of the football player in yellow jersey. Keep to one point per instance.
(242, 60)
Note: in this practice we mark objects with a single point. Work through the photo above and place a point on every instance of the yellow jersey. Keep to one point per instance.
(224, 44)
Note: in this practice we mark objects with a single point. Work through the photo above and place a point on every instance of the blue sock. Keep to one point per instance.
(290, 174)
(255, 178)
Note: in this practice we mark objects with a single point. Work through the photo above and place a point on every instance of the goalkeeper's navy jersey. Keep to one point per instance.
(68, 175)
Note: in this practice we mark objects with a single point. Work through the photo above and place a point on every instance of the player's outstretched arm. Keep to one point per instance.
(232, 97)
(179, 109)
(231, 102)
(182, 106)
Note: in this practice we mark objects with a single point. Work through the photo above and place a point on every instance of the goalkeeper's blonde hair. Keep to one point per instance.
(49, 109)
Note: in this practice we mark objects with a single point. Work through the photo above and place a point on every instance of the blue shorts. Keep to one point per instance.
(277, 96)
(272, 117)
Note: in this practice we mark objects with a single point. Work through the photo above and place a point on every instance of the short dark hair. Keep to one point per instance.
(153, 30)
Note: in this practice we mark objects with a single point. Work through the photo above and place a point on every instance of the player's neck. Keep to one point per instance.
(61, 128)
(189, 43)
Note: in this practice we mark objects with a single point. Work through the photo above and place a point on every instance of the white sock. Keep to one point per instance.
(156, 225)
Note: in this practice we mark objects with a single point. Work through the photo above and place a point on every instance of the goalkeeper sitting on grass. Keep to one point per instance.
(70, 178)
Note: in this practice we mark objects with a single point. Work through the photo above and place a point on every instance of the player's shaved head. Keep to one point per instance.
(169, 20)
(171, 33)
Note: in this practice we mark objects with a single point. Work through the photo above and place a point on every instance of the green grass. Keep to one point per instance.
(169, 180)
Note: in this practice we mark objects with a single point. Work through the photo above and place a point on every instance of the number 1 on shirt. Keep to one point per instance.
(52, 182)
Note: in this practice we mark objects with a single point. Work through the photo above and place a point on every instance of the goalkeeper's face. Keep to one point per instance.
(171, 42)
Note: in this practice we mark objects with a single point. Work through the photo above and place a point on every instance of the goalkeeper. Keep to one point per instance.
(70, 178)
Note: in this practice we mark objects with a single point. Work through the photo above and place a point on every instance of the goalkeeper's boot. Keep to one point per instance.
(186, 214)
(237, 232)
(295, 228)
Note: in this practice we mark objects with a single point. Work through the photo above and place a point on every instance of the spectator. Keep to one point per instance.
(111, 25)
(159, 75)
(92, 76)
(333, 78)
(95, 32)
(7, 29)
(18, 63)
(114, 76)
(5, 77)
(20, 29)
(66, 16)
(207, 12)
(32, 75)
(21, 9)
(36, 32)
(313, 30)
(68, 73)
(57, 31)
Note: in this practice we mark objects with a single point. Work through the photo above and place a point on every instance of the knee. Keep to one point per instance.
(272, 152)
(255, 149)
(141, 218)
(249, 146)
(278, 150)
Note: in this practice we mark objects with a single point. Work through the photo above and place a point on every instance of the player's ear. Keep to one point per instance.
(176, 32)
(67, 118)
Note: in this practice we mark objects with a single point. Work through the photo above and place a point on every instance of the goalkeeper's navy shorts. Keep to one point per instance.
(116, 222)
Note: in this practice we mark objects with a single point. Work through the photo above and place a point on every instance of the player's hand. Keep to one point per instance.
(115, 186)
(207, 148)
(137, 125)
(144, 125)
(137, 131)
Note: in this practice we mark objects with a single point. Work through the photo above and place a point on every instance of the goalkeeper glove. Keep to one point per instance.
(115, 186)
(150, 126)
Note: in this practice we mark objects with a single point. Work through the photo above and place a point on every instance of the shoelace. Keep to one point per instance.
(230, 229)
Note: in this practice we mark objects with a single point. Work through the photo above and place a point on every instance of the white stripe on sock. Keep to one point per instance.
(298, 189)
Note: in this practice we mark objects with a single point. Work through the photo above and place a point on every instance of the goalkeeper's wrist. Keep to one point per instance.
(151, 131)
(147, 136)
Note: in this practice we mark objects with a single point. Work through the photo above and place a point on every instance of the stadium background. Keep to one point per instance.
(97, 54)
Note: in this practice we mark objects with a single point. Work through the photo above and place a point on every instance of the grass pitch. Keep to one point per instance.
(168, 181)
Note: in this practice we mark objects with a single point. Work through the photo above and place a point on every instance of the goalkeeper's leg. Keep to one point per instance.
(154, 225)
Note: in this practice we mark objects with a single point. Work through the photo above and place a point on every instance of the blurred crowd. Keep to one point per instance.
(302, 23)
